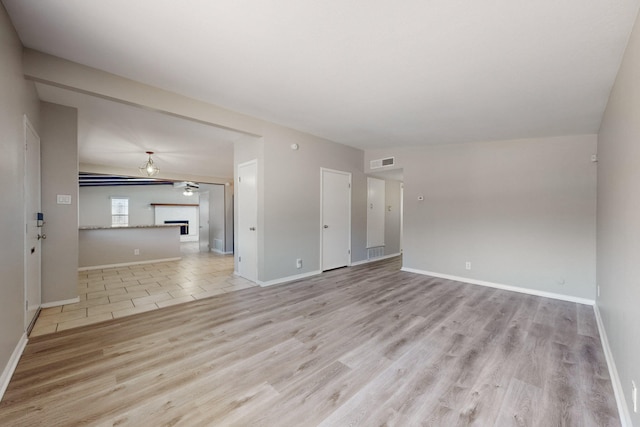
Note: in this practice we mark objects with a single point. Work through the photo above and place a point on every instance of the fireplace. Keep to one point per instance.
(184, 225)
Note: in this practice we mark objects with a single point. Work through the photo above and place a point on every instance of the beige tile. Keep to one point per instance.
(146, 285)
(51, 310)
(141, 274)
(208, 294)
(100, 294)
(108, 308)
(151, 299)
(63, 317)
(175, 301)
(134, 310)
(94, 287)
(239, 286)
(84, 321)
(184, 292)
(86, 303)
(214, 286)
(162, 289)
(137, 288)
(115, 285)
(127, 296)
(43, 329)
(145, 280)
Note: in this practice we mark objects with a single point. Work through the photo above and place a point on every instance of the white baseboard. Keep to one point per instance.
(623, 410)
(288, 278)
(535, 292)
(221, 252)
(59, 303)
(366, 261)
(126, 264)
(8, 371)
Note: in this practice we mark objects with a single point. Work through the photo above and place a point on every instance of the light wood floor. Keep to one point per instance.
(367, 346)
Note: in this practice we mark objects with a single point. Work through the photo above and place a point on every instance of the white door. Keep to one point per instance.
(375, 212)
(203, 235)
(247, 194)
(335, 217)
(33, 233)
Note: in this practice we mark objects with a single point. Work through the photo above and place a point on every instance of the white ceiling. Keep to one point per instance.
(114, 134)
(367, 73)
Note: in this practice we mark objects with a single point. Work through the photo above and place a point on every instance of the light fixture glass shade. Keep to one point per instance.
(188, 191)
(149, 167)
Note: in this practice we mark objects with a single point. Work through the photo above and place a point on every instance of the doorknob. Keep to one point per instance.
(326, 226)
(252, 229)
(42, 236)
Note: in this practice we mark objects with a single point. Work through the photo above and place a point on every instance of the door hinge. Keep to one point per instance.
(26, 305)
(349, 251)
(349, 185)
(239, 179)
(239, 259)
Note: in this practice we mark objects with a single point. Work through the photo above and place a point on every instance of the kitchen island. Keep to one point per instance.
(104, 247)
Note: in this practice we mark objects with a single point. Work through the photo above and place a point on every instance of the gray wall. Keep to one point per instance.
(59, 164)
(17, 97)
(619, 220)
(522, 212)
(95, 202)
(292, 201)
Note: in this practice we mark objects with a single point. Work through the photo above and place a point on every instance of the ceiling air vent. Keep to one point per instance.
(381, 163)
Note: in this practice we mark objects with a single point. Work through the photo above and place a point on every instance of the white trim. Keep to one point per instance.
(126, 264)
(59, 303)
(379, 258)
(8, 371)
(535, 292)
(222, 252)
(288, 278)
(623, 410)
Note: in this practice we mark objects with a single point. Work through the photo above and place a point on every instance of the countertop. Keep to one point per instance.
(102, 227)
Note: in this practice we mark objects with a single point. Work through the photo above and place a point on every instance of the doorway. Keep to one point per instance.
(335, 218)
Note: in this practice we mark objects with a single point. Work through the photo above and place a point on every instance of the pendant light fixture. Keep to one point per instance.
(188, 191)
(149, 167)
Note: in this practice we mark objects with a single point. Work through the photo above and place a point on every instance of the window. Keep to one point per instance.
(119, 211)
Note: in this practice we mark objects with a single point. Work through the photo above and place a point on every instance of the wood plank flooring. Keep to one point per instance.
(361, 346)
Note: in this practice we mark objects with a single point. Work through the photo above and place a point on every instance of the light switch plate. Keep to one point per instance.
(64, 199)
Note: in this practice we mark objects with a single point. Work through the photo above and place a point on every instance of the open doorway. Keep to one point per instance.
(385, 200)
(202, 211)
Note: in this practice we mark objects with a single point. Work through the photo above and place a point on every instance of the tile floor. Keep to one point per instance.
(122, 291)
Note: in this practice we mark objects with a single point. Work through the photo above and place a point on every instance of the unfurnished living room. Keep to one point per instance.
(301, 213)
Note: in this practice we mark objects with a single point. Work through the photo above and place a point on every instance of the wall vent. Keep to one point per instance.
(382, 163)
(376, 252)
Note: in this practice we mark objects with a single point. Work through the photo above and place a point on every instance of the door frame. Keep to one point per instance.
(349, 175)
(29, 323)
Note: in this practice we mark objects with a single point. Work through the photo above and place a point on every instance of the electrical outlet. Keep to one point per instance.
(136, 251)
(299, 263)
(634, 396)
(467, 265)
